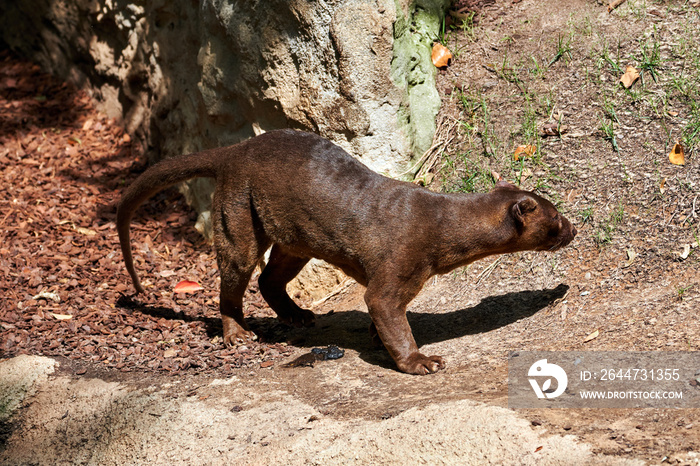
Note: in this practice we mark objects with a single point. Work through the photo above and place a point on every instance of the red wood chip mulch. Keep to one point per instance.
(63, 289)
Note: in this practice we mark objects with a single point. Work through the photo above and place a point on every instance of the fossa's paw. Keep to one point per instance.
(419, 364)
(239, 336)
(299, 318)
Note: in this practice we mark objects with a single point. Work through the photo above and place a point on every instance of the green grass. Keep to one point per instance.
(649, 57)
(563, 50)
(682, 290)
(607, 127)
(613, 62)
(586, 215)
(606, 229)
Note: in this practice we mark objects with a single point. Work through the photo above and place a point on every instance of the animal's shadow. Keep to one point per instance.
(491, 313)
(349, 329)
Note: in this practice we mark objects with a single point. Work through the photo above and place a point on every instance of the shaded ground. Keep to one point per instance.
(521, 67)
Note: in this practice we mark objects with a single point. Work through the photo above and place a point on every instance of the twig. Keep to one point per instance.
(440, 140)
(422, 159)
(344, 285)
(614, 4)
(487, 271)
(444, 136)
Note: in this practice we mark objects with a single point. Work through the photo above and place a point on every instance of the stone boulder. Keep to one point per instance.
(187, 75)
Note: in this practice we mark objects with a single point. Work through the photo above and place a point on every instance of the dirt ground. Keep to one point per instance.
(148, 380)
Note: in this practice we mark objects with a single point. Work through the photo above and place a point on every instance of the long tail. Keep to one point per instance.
(156, 178)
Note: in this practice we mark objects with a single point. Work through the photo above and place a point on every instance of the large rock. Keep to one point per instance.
(186, 75)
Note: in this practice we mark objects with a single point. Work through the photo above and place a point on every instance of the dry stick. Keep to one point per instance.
(433, 159)
(443, 138)
(420, 161)
(438, 143)
(487, 271)
(614, 4)
(341, 287)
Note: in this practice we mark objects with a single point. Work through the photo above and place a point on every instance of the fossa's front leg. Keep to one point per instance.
(387, 303)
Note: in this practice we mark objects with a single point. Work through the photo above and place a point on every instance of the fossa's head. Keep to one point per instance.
(539, 225)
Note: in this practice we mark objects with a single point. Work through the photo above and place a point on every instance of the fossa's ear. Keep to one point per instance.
(522, 208)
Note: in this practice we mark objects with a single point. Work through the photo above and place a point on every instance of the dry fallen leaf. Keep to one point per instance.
(553, 129)
(524, 151)
(187, 286)
(592, 336)
(662, 187)
(677, 155)
(265, 364)
(631, 75)
(85, 231)
(53, 296)
(538, 448)
(441, 55)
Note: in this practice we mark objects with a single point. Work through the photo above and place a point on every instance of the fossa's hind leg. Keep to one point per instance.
(280, 270)
(238, 250)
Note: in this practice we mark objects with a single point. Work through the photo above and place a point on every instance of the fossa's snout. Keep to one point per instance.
(567, 233)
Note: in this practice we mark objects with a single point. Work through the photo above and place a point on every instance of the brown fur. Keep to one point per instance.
(306, 197)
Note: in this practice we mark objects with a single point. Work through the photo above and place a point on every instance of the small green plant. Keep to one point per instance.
(586, 215)
(604, 233)
(650, 57)
(508, 72)
(528, 129)
(470, 103)
(442, 35)
(691, 132)
(638, 9)
(468, 183)
(536, 70)
(476, 120)
(547, 103)
(563, 50)
(681, 291)
(607, 127)
(618, 214)
(614, 64)
(487, 134)
(607, 123)
(468, 27)
(587, 26)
